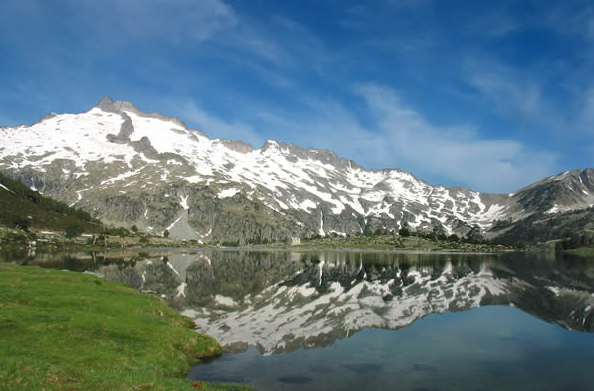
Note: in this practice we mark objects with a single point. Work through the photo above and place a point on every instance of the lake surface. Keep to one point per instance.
(357, 321)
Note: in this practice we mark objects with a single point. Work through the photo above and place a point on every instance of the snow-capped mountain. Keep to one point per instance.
(128, 167)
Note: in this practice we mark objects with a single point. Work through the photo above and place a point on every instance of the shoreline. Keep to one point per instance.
(92, 334)
(315, 249)
(47, 240)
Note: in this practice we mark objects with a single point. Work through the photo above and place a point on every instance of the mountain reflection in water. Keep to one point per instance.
(282, 301)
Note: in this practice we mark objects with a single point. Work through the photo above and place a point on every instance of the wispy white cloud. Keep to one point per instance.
(570, 18)
(195, 116)
(397, 135)
(503, 27)
(291, 47)
(249, 39)
(459, 153)
(115, 23)
(173, 21)
(534, 99)
(409, 3)
(512, 94)
(587, 113)
(143, 34)
(498, 22)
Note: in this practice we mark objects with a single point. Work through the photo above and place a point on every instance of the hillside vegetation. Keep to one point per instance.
(405, 240)
(24, 208)
(541, 227)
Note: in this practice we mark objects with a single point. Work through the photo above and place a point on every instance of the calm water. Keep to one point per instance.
(358, 321)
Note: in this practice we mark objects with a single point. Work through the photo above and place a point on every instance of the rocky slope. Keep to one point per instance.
(541, 227)
(128, 167)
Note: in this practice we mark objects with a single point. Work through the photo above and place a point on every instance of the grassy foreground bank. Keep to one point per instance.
(582, 251)
(69, 331)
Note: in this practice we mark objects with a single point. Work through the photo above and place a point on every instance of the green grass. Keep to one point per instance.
(68, 331)
(582, 251)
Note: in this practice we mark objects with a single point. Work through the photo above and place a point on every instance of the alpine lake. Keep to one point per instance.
(348, 320)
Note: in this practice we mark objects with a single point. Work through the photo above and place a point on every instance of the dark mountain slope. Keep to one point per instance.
(24, 208)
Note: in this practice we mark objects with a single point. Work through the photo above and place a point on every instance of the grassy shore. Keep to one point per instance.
(582, 251)
(56, 241)
(69, 331)
(396, 243)
(44, 240)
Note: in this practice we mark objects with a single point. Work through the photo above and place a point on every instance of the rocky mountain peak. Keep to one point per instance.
(126, 106)
(105, 104)
(122, 106)
(45, 117)
(565, 191)
(118, 106)
(294, 151)
(269, 144)
(238, 146)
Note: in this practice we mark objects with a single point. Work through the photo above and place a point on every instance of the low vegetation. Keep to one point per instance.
(543, 227)
(31, 220)
(24, 209)
(578, 244)
(108, 238)
(582, 251)
(405, 240)
(69, 331)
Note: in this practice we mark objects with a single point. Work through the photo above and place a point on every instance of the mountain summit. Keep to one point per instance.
(128, 167)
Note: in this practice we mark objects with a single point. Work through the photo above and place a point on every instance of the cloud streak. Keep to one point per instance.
(213, 126)
(514, 96)
(397, 136)
(458, 153)
(587, 114)
(173, 21)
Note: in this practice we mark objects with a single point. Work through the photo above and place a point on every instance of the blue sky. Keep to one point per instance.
(490, 95)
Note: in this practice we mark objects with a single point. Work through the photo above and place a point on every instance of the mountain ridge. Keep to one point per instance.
(128, 167)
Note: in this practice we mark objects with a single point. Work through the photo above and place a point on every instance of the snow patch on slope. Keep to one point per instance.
(226, 193)
(6, 188)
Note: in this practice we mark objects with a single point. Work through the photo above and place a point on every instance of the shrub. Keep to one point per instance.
(119, 231)
(73, 230)
(404, 232)
(21, 223)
